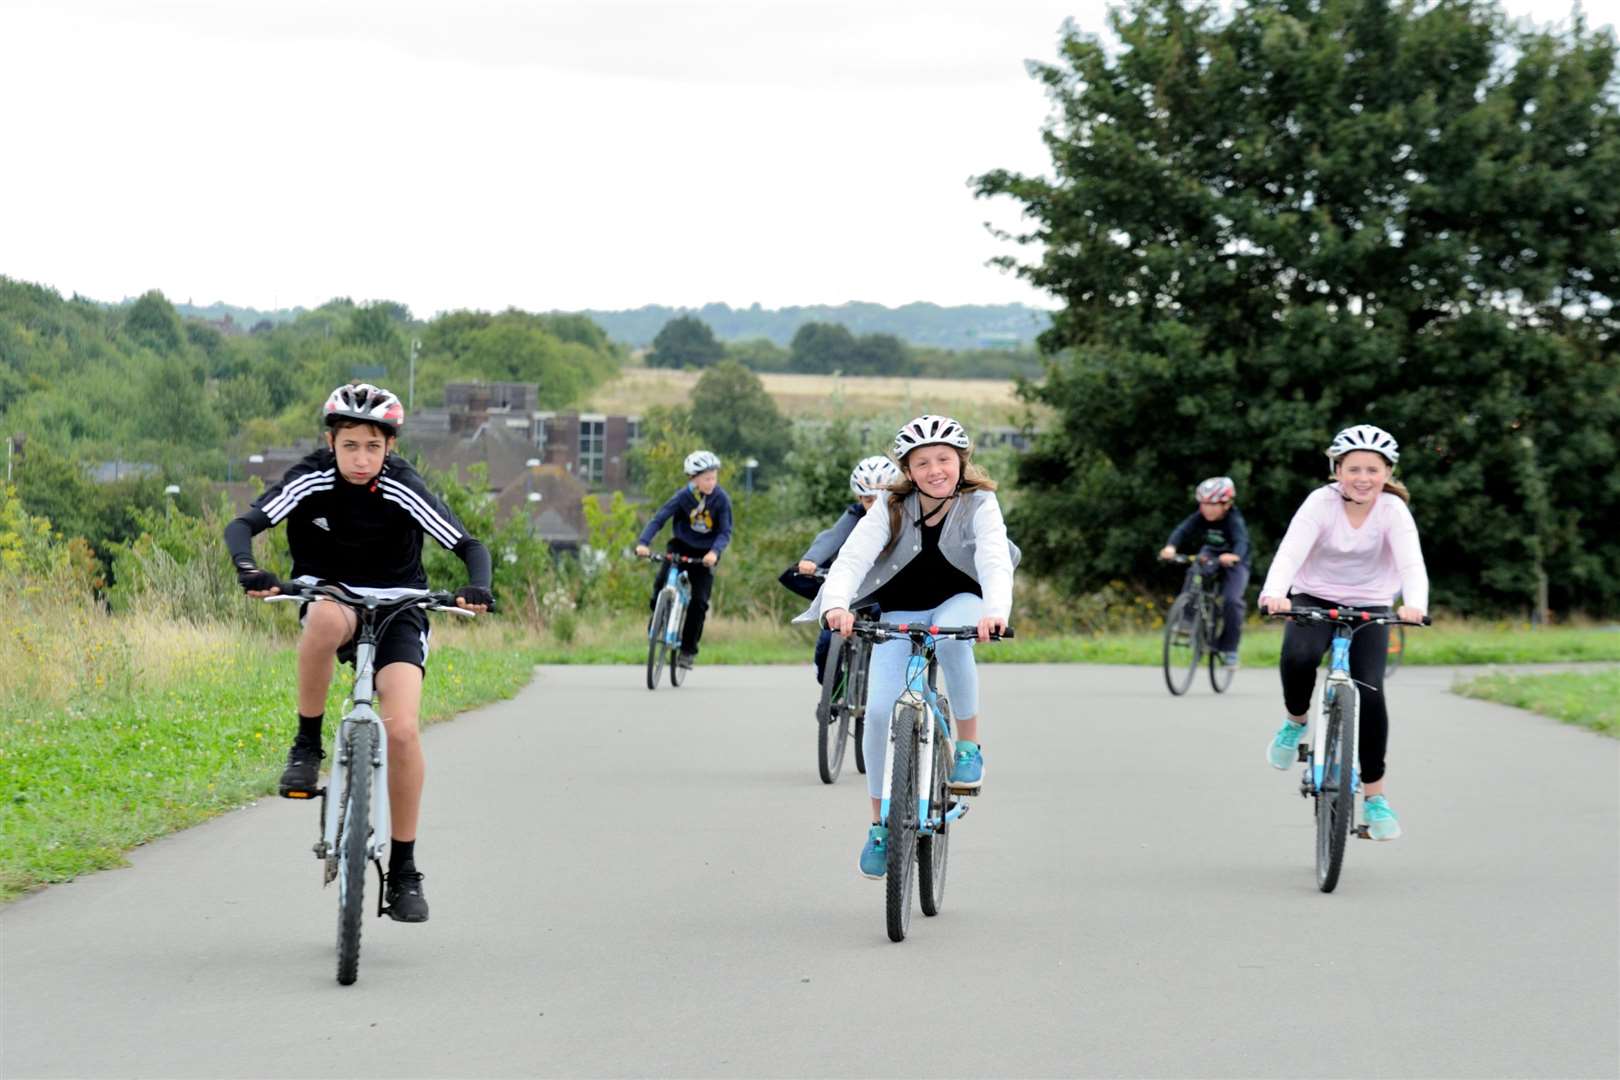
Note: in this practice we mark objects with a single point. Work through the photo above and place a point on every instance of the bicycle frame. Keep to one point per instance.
(1338, 682)
(362, 711)
(920, 693)
(679, 588)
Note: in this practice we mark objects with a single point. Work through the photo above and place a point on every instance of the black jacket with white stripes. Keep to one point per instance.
(358, 534)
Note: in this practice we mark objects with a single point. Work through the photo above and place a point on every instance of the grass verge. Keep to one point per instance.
(1590, 699)
(81, 785)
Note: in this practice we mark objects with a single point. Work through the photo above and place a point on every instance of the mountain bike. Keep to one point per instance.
(842, 705)
(355, 825)
(917, 802)
(1330, 775)
(1193, 625)
(669, 620)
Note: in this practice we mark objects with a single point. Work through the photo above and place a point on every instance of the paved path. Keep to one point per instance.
(635, 883)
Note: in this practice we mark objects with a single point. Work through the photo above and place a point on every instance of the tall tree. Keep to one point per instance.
(153, 322)
(686, 341)
(1269, 224)
(736, 418)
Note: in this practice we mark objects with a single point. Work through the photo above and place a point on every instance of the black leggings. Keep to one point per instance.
(1302, 649)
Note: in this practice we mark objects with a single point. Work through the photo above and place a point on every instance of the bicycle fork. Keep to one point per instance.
(930, 726)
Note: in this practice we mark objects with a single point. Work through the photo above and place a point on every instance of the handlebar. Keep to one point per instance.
(422, 598)
(669, 556)
(874, 630)
(1346, 616)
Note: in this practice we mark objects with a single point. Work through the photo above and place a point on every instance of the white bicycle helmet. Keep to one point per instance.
(1217, 489)
(930, 430)
(700, 461)
(1363, 437)
(362, 401)
(872, 474)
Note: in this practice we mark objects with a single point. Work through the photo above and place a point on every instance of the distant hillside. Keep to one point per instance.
(246, 318)
(971, 326)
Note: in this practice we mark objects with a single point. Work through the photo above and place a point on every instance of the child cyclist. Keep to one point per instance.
(935, 551)
(870, 476)
(1352, 543)
(356, 513)
(1222, 534)
(702, 513)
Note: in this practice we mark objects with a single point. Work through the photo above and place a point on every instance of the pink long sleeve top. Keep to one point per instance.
(1325, 556)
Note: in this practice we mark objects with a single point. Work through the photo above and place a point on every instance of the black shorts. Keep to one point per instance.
(406, 638)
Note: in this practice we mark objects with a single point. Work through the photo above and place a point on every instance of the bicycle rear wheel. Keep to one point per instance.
(1182, 644)
(354, 830)
(656, 649)
(832, 716)
(934, 849)
(1336, 801)
(861, 663)
(902, 822)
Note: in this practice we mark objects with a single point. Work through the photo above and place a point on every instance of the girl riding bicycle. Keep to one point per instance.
(870, 475)
(936, 553)
(1353, 543)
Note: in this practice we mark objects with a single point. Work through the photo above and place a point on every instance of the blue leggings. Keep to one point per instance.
(887, 678)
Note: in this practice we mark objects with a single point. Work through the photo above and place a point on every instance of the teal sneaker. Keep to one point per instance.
(1382, 824)
(875, 855)
(1284, 748)
(968, 769)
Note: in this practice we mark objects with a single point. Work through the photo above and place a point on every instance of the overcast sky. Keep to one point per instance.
(553, 154)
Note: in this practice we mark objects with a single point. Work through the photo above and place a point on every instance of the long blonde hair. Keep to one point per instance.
(972, 479)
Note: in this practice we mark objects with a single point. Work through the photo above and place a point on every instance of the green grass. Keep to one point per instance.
(80, 787)
(1590, 699)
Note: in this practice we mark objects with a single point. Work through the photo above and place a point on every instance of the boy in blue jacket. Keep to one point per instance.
(1221, 532)
(702, 513)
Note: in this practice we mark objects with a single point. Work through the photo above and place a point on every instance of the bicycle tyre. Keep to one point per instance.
(1220, 675)
(677, 674)
(860, 744)
(1397, 650)
(656, 649)
(902, 822)
(934, 850)
(1181, 644)
(832, 715)
(1336, 802)
(354, 828)
(863, 663)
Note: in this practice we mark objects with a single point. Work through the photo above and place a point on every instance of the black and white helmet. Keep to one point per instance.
(700, 461)
(1363, 437)
(362, 401)
(1217, 489)
(930, 430)
(872, 474)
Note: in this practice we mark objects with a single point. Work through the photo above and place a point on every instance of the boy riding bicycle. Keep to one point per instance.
(870, 476)
(1223, 535)
(702, 513)
(356, 513)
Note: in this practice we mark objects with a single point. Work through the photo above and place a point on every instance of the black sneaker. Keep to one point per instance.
(686, 660)
(403, 899)
(301, 778)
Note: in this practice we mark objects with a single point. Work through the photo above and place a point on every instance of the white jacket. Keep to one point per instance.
(973, 539)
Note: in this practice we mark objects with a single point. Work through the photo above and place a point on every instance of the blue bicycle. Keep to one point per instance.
(1331, 753)
(668, 621)
(917, 803)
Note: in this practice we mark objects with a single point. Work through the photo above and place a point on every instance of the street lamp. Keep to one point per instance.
(752, 464)
(171, 491)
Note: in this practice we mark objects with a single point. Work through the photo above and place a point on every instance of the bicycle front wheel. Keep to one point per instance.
(832, 716)
(354, 831)
(934, 849)
(656, 649)
(1181, 644)
(1336, 801)
(1220, 672)
(902, 821)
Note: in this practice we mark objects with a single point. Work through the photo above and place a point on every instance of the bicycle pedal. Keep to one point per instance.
(1361, 831)
(316, 794)
(1304, 752)
(962, 790)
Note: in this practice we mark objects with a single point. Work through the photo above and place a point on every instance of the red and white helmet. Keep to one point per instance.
(1217, 489)
(1363, 437)
(930, 430)
(873, 474)
(362, 401)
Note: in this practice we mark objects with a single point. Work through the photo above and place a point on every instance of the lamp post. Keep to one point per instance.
(170, 491)
(410, 398)
(751, 464)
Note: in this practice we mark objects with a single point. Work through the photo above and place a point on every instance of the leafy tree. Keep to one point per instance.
(736, 418)
(759, 354)
(821, 348)
(153, 322)
(374, 325)
(685, 342)
(1269, 224)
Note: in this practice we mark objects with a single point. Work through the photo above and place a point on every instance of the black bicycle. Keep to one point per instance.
(842, 709)
(355, 824)
(1192, 627)
(1330, 757)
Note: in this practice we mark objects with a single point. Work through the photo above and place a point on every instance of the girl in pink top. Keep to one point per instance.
(1352, 543)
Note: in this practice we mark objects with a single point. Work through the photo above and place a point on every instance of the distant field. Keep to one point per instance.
(991, 401)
